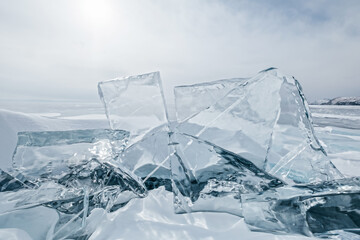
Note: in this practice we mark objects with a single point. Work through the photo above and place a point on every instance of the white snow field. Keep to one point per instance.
(153, 217)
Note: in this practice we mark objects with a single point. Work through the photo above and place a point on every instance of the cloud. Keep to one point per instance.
(62, 49)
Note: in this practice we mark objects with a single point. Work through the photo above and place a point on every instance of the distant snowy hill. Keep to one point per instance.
(339, 101)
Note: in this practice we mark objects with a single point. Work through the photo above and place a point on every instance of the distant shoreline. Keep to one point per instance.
(339, 101)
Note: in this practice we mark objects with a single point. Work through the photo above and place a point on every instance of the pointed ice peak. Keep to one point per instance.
(268, 69)
(272, 71)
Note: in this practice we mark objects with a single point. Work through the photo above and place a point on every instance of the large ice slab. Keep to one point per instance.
(209, 178)
(305, 209)
(266, 120)
(135, 103)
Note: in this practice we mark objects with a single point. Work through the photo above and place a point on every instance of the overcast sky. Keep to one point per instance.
(61, 49)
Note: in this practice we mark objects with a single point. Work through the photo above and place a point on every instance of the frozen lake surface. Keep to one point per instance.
(337, 127)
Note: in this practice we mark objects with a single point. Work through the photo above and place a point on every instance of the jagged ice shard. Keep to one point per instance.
(209, 178)
(136, 104)
(148, 159)
(264, 120)
(77, 159)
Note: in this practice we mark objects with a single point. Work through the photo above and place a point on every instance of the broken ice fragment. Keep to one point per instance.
(135, 103)
(266, 120)
(305, 209)
(98, 178)
(81, 160)
(209, 178)
(50, 155)
(294, 151)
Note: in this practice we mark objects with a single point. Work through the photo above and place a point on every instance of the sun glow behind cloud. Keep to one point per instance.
(62, 49)
(96, 15)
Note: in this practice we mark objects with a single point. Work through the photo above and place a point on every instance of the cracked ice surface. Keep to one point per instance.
(148, 159)
(80, 160)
